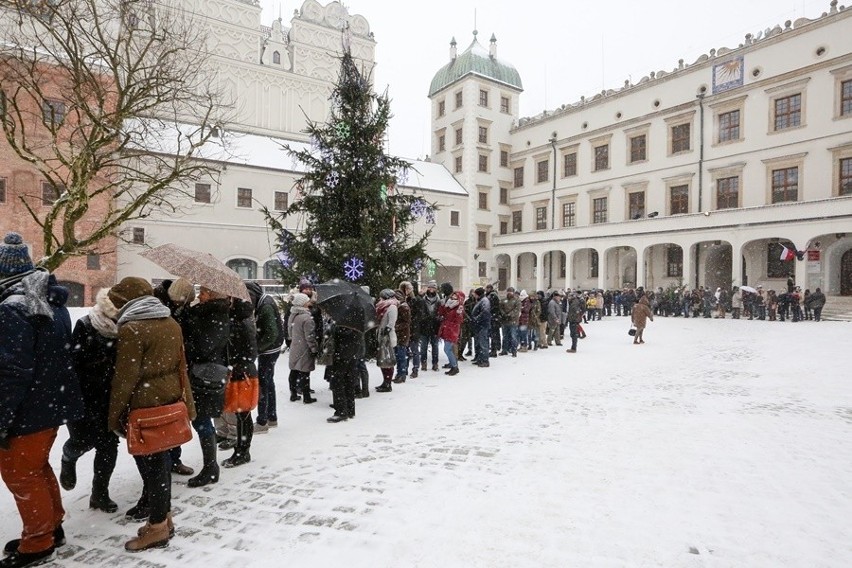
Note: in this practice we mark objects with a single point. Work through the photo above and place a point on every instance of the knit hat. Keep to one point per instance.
(300, 300)
(130, 288)
(432, 284)
(181, 292)
(305, 283)
(14, 256)
(386, 294)
(524, 295)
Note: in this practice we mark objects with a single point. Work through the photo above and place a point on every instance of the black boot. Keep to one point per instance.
(294, 386)
(210, 472)
(68, 474)
(386, 386)
(100, 499)
(365, 383)
(140, 511)
(306, 391)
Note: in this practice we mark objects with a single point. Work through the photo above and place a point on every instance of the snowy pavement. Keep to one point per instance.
(717, 443)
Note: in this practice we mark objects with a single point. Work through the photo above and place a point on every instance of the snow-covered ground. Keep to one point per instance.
(717, 443)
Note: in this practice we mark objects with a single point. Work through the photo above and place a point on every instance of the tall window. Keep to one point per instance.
(458, 136)
(50, 193)
(727, 192)
(3, 190)
(519, 176)
(788, 111)
(93, 262)
(785, 185)
(459, 99)
(638, 148)
(504, 104)
(276, 57)
(482, 239)
(601, 157)
(243, 197)
(483, 97)
(454, 218)
(680, 138)
(845, 177)
(636, 204)
(281, 199)
(679, 199)
(504, 195)
(52, 112)
(504, 227)
(569, 164)
(442, 142)
(517, 221)
(846, 98)
(458, 164)
(483, 134)
(542, 171)
(540, 218)
(202, 193)
(775, 267)
(504, 158)
(483, 163)
(674, 262)
(599, 210)
(483, 200)
(593, 263)
(138, 236)
(442, 108)
(729, 126)
(569, 214)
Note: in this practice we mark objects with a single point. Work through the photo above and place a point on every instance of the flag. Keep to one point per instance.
(787, 254)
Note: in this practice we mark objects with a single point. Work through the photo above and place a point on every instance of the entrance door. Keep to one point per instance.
(846, 274)
(503, 278)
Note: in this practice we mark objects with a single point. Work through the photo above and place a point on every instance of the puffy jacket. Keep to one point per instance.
(452, 312)
(575, 310)
(267, 316)
(38, 386)
(642, 313)
(481, 313)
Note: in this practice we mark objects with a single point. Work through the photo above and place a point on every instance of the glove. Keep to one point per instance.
(4, 439)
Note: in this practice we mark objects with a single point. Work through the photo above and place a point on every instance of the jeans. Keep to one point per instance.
(157, 479)
(510, 338)
(574, 330)
(524, 336)
(266, 407)
(425, 342)
(448, 351)
(401, 352)
(414, 353)
(481, 343)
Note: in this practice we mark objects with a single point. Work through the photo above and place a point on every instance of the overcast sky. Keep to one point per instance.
(562, 48)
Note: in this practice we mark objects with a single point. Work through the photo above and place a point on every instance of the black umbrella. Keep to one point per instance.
(347, 304)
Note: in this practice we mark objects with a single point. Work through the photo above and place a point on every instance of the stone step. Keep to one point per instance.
(838, 308)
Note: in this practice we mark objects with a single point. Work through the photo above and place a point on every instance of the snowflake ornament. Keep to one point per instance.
(402, 176)
(419, 208)
(418, 264)
(284, 258)
(343, 130)
(353, 268)
(430, 216)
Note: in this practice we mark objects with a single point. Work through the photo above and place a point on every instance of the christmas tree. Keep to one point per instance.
(353, 222)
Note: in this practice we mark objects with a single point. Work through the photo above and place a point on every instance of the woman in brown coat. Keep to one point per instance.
(149, 371)
(641, 315)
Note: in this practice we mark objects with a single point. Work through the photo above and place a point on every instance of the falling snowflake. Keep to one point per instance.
(353, 268)
(419, 208)
(284, 258)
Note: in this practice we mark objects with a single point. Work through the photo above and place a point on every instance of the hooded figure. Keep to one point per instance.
(270, 338)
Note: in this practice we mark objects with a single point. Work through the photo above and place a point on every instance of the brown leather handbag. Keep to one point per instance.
(159, 428)
(242, 395)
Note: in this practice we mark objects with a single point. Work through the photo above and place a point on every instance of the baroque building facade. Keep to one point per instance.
(701, 175)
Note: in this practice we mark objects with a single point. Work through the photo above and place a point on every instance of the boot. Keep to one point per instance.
(68, 474)
(306, 391)
(23, 559)
(210, 472)
(365, 384)
(169, 523)
(100, 499)
(452, 371)
(399, 379)
(423, 366)
(294, 386)
(139, 512)
(414, 372)
(58, 540)
(152, 536)
(386, 386)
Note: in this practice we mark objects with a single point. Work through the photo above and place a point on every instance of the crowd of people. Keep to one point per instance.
(143, 346)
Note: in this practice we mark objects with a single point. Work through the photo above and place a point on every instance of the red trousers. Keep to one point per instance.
(29, 477)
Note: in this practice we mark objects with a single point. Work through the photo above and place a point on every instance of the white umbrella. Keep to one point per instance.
(748, 289)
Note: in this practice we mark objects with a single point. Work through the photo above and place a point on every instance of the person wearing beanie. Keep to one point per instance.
(149, 366)
(304, 346)
(182, 292)
(387, 311)
(403, 336)
(39, 391)
(14, 256)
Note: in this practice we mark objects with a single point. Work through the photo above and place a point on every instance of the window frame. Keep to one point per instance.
(734, 170)
(138, 236)
(681, 198)
(504, 195)
(241, 197)
(569, 213)
(482, 201)
(793, 112)
(545, 170)
(569, 164)
(681, 142)
(786, 91)
(676, 122)
(442, 142)
(56, 191)
(209, 190)
(459, 136)
(459, 95)
(458, 164)
(594, 263)
(541, 217)
(275, 203)
(455, 218)
(786, 163)
(635, 156)
(482, 164)
(775, 267)
(482, 239)
(636, 210)
(734, 180)
(483, 98)
(483, 134)
(518, 177)
(52, 106)
(838, 155)
(600, 157)
(442, 108)
(3, 187)
(600, 215)
(505, 104)
(785, 185)
(517, 224)
(504, 158)
(674, 261)
(722, 108)
(729, 130)
(93, 261)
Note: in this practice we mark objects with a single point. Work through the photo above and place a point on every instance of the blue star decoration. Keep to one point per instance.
(353, 268)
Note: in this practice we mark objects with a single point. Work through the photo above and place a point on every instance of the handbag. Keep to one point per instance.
(242, 395)
(159, 428)
(385, 357)
(208, 378)
(632, 331)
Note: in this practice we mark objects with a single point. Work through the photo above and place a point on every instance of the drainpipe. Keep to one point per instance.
(552, 205)
(700, 150)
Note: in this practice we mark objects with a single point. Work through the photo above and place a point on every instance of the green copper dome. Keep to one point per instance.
(475, 60)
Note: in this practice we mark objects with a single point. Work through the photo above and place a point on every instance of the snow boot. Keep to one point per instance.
(452, 371)
(100, 499)
(68, 474)
(151, 536)
(386, 386)
(58, 540)
(23, 559)
(294, 386)
(365, 383)
(306, 391)
(210, 472)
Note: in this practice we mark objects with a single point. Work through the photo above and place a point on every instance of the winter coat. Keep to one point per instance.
(419, 314)
(388, 314)
(303, 340)
(642, 313)
(403, 322)
(575, 310)
(267, 316)
(554, 312)
(348, 349)
(526, 308)
(535, 311)
(481, 314)
(494, 301)
(452, 314)
(817, 300)
(510, 310)
(429, 325)
(242, 343)
(38, 386)
(206, 331)
(149, 364)
(737, 299)
(94, 363)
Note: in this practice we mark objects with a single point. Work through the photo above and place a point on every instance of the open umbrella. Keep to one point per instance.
(748, 289)
(347, 304)
(201, 268)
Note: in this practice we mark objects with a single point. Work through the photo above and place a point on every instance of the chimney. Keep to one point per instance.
(453, 49)
(492, 52)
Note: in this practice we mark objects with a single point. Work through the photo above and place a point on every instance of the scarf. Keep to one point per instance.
(31, 290)
(103, 324)
(142, 308)
(383, 306)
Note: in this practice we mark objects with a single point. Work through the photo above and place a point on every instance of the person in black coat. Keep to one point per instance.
(419, 315)
(348, 349)
(242, 352)
(206, 332)
(94, 362)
